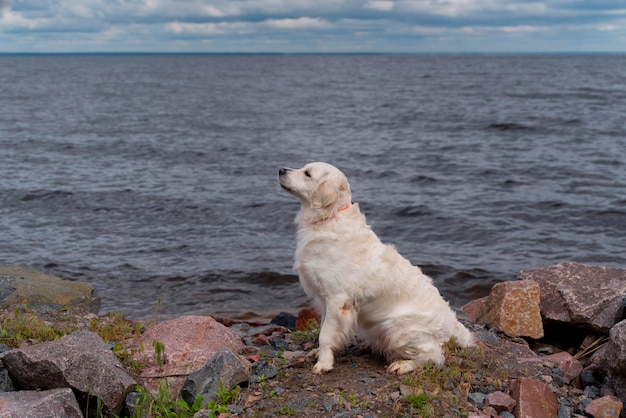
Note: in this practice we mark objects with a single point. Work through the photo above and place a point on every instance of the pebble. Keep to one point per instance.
(565, 412)
(477, 399)
(587, 378)
(591, 392)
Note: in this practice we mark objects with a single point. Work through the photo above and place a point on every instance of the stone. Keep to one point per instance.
(81, 361)
(285, 319)
(36, 291)
(477, 399)
(569, 366)
(513, 308)
(581, 295)
(605, 407)
(225, 368)
(500, 401)
(6, 384)
(189, 341)
(612, 359)
(305, 318)
(533, 398)
(53, 403)
(472, 308)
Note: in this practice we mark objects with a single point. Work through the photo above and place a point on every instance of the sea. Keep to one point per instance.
(154, 177)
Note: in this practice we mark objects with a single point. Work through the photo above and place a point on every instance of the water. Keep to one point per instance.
(154, 178)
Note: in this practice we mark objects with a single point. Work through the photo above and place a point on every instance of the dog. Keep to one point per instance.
(359, 285)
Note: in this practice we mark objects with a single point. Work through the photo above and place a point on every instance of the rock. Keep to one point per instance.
(33, 290)
(612, 359)
(513, 308)
(472, 309)
(189, 341)
(81, 361)
(500, 401)
(570, 367)
(533, 398)
(605, 407)
(477, 399)
(305, 316)
(224, 368)
(585, 296)
(54, 403)
(6, 384)
(285, 319)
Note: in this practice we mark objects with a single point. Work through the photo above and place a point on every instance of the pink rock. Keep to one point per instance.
(581, 295)
(533, 399)
(570, 367)
(500, 401)
(605, 407)
(189, 341)
(472, 308)
(513, 308)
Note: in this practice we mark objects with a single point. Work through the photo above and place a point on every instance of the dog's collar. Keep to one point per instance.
(346, 207)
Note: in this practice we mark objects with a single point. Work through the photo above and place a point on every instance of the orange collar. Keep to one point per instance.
(346, 207)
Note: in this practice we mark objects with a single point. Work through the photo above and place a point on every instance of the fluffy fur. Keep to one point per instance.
(361, 285)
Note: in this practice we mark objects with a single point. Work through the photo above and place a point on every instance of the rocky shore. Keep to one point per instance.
(550, 344)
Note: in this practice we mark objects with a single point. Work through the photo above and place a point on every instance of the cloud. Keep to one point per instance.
(383, 6)
(299, 23)
(306, 25)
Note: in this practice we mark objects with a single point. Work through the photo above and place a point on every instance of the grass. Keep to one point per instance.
(447, 387)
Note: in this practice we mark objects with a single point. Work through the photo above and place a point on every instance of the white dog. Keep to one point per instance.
(361, 285)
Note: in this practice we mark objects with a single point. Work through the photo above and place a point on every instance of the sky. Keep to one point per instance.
(311, 26)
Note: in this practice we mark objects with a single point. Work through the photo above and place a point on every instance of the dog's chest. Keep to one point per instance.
(320, 265)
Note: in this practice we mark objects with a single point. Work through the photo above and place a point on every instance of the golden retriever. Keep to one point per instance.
(360, 285)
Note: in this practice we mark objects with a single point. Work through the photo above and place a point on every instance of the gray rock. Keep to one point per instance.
(225, 367)
(262, 370)
(6, 384)
(37, 291)
(478, 399)
(612, 359)
(54, 403)
(81, 361)
(586, 296)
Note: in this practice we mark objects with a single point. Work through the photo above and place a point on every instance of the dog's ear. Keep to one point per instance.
(325, 195)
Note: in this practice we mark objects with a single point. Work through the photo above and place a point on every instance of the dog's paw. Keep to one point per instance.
(313, 353)
(320, 367)
(402, 366)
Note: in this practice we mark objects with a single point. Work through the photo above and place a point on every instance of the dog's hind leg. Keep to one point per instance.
(337, 331)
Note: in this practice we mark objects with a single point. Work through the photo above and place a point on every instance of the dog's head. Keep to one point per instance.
(322, 188)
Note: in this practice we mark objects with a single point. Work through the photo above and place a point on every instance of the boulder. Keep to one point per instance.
(533, 398)
(81, 361)
(472, 309)
(189, 343)
(612, 359)
(225, 368)
(513, 308)
(54, 403)
(604, 407)
(33, 290)
(585, 296)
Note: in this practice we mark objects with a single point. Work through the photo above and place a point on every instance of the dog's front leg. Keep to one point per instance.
(336, 332)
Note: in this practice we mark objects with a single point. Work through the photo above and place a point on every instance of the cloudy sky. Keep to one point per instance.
(312, 25)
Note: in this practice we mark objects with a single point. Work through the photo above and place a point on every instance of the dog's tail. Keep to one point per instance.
(464, 337)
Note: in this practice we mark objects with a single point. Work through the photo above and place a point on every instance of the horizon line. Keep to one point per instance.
(315, 53)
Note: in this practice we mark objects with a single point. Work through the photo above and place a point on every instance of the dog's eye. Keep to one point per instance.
(307, 173)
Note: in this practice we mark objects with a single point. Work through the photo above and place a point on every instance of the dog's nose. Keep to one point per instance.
(282, 171)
